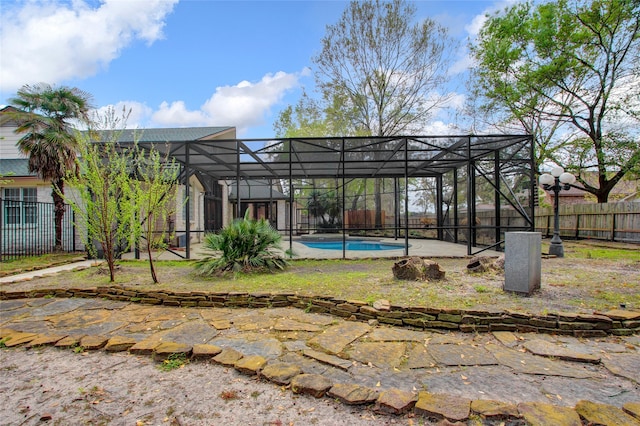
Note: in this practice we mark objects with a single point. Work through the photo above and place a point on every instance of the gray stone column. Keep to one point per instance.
(522, 262)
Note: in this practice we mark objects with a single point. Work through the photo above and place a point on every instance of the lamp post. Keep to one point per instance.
(556, 181)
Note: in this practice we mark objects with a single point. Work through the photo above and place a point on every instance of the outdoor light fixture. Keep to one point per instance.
(556, 181)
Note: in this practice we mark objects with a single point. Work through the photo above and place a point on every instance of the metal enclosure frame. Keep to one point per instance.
(503, 165)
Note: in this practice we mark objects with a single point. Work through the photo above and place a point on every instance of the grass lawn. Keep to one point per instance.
(24, 264)
(590, 277)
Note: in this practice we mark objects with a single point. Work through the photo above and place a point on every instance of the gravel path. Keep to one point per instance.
(60, 387)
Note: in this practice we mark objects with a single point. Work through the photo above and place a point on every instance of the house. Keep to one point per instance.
(204, 202)
(26, 204)
(628, 189)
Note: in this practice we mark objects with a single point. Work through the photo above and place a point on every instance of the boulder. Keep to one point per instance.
(417, 269)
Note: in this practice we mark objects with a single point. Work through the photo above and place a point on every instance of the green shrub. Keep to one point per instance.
(246, 245)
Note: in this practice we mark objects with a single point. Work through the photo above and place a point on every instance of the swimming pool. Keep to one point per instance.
(352, 245)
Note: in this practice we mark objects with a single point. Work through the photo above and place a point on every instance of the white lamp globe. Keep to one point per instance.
(546, 179)
(557, 171)
(567, 178)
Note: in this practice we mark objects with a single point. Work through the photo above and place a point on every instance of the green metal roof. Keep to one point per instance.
(182, 134)
(15, 167)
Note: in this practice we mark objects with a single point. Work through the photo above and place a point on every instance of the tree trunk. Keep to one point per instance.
(149, 244)
(151, 267)
(58, 208)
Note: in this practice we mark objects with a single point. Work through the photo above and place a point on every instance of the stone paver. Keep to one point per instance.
(530, 364)
(540, 414)
(336, 338)
(311, 384)
(544, 348)
(280, 373)
(604, 414)
(380, 354)
(332, 360)
(353, 394)
(461, 355)
(495, 376)
(446, 406)
(395, 401)
(625, 365)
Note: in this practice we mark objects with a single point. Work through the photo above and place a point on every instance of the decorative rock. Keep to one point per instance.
(395, 401)
(228, 357)
(166, 349)
(417, 269)
(494, 409)
(603, 414)
(250, 365)
(443, 406)
(119, 343)
(540, 414)
(352, 394)
(280, 373)
(204, 351)
(92, 343)
(311, 384)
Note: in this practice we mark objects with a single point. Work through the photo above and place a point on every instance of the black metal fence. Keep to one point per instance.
(28, 229)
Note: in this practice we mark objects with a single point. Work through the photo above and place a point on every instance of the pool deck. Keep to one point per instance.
(422, 248)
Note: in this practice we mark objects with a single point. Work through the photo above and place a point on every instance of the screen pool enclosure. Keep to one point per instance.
(467, 189)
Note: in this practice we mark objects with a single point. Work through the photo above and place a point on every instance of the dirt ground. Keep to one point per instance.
(60, 387)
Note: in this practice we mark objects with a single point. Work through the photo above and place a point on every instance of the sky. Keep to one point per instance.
(189, 63)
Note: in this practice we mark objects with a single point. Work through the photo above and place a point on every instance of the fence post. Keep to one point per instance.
(613, 227)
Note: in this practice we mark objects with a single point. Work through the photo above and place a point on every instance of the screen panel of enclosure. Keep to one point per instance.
(467, 189)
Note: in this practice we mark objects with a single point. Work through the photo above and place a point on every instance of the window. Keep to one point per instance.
(20, 206)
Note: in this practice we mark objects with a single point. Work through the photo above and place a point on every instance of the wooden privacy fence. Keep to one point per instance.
(604, 221)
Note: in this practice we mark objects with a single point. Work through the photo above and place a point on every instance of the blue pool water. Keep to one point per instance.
(351, 245)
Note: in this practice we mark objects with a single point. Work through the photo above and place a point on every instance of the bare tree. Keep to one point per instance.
(386, 69)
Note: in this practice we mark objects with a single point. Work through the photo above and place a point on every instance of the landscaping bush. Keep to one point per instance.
(246, 245)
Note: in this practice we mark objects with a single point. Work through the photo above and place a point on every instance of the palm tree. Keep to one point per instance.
(44, 115)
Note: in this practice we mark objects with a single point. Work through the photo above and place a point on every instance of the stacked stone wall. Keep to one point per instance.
(615, 322)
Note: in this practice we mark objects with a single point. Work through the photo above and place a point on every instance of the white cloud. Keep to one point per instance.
(439, 128)
(176, 114)
(136, 113)
(243, 105)
(52, 41)
(473, 28)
